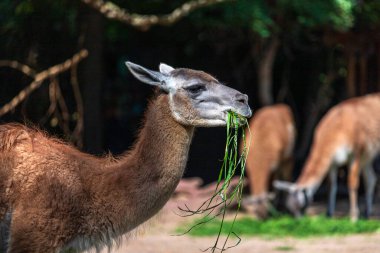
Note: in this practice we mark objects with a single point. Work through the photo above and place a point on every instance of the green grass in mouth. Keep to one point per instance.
(214, 209)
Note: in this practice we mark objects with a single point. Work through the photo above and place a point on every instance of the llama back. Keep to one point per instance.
(273, 134)
(32, 166)
(11, 134)
(29, 157)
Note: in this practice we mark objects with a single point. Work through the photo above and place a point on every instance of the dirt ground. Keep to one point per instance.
(185, 244)
(157, 237)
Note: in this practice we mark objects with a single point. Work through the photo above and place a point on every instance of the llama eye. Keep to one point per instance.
(195, 88)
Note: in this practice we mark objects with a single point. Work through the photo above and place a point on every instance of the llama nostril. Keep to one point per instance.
(241, 98)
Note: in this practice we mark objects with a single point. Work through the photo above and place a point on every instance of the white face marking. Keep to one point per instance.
(172, 85)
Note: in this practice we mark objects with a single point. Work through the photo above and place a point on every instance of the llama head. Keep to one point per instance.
(195, 97)
(297, 199)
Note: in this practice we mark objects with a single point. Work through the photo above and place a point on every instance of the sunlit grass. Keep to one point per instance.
(284, 248)
(287, 226)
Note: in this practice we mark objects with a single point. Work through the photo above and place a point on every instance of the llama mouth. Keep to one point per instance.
(238, 118)
(244, 112)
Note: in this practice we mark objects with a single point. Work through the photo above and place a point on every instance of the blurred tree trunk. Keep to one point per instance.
(93, 30)
(265, 72)
(378, 68)
(363, 73)
(351, 74)
(317, 107)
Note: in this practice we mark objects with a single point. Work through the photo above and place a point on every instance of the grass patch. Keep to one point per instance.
(284, 248)
(288, 226)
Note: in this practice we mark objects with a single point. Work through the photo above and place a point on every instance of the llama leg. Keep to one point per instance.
(287, 170)
(4, 231)
(353, 185)
(370, 183)
(333, 175)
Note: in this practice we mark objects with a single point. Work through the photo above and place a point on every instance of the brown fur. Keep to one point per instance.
(56, 197)
(355, 126)
(59, 196)
(352, 123)
(271, 146)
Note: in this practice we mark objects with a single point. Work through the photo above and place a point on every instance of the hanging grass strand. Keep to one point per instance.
(223, 195)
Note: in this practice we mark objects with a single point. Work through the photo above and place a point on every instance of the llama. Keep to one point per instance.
(270, 154)
(349, 134)
(54, 197)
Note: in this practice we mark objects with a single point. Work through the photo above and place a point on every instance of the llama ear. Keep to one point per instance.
(284, 186)
(148, 76)
(165, 69)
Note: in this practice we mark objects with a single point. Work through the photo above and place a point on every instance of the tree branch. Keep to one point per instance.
(19, 66)
(144, 22)
(38, 78)
(78, 130)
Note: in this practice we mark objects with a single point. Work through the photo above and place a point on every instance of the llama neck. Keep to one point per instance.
(161, 150)
(150, 172)
(316, 169)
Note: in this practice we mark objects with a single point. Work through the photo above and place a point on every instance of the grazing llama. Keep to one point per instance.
(348, 134)
(270, 154)
(54, 197)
